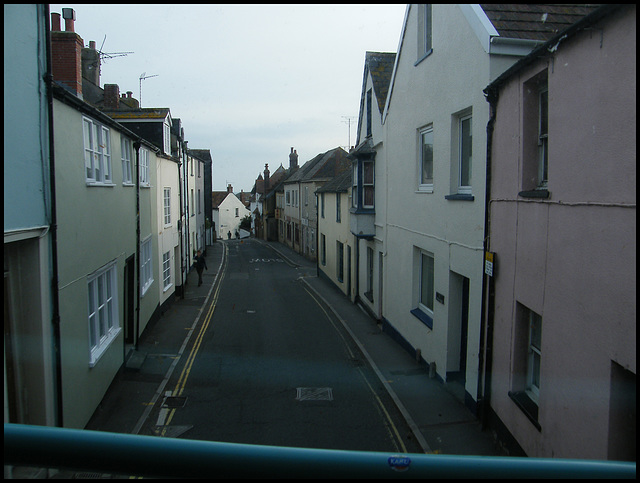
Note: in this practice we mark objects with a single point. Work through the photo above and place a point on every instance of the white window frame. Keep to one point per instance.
(421, 298)
(167, 206)
(425, 31)
(425, 183)
(166, 138)
(102, 310)
(126, 148)
(534, 356)
(543, 137)
(370, 184)
(166, 270)
(146, 265)
(143, 155)
(464, 187)
(97, 153)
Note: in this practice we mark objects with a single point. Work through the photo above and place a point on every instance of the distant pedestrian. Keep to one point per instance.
(200, 264)
(229, 235)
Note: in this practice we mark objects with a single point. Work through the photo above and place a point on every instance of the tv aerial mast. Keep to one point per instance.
(144, 76)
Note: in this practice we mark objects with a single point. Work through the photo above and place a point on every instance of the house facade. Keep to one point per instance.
(435, 143)
(336, 243)
(228, 212)
(168, 197)
(31, 387)
(301, 211)
(368, 190)
(103, 303)
(562, 213)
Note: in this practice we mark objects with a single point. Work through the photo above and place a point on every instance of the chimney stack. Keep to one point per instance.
(111, 96)
(229, 189)
(66, 52)
(293, 160)
(266, 179)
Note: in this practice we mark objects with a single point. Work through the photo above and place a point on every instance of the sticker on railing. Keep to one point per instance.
(399, 463)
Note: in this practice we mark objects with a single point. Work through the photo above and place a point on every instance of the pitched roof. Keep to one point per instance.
(324, 165)
(534, 21)
(218, 197)
(584, 22)
(201, 154)
(339, 184)
(380, 66)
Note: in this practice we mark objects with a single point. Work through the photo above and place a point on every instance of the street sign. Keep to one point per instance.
(488, 263)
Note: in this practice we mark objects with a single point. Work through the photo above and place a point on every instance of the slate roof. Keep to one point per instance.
(534, 21)
(339, 184)
(324, 165)
(201, 154)
(380, 66)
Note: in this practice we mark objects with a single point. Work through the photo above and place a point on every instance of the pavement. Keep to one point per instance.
(434, 411)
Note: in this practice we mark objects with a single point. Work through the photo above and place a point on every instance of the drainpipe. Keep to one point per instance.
(486, 316)
(136, 146)
(55, 316)
(181, 228)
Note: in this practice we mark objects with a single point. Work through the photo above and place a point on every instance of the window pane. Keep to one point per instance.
(368, 196)
(367, 172)
(536, 330)
(426, 284)
(465, 152)
(427, 158)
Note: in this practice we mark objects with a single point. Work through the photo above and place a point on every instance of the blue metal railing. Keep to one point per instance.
(126, 454)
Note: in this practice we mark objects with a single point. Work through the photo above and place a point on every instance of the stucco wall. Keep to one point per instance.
(435, 91)
(572, 258)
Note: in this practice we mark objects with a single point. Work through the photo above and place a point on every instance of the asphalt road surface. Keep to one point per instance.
(268, 365)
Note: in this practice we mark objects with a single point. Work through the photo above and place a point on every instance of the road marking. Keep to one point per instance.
(186, 371)
(352, 355)
(174, 364)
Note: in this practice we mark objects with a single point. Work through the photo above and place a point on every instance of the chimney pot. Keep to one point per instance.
(55, 22)
(92, 44)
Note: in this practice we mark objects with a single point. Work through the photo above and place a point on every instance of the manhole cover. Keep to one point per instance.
(314, 394)
(174, 401)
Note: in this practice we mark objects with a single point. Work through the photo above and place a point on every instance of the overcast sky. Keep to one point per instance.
(248, 81)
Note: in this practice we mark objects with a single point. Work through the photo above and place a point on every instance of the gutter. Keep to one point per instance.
(55, 316)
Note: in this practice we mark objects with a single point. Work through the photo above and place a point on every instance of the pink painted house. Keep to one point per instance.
(560, 305)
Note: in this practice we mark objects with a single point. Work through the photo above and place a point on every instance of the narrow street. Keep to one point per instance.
(268, 365)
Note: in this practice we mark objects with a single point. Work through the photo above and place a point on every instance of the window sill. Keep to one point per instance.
(459, 197)
(99, 351)
(425, 189)
(128, 184)
(422, 317)
(539, 193)
(429, 52)
(527, 406)
(95, 183)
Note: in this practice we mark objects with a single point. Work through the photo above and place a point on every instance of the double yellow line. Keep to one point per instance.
(186, 371)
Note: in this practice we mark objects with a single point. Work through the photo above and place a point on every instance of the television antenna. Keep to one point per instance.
(348, 120)
(109, 55)
(144, 76)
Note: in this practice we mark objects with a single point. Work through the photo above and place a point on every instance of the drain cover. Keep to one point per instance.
(174, 401)
(314, 394)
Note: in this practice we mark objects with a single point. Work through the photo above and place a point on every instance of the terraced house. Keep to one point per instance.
(429, 240)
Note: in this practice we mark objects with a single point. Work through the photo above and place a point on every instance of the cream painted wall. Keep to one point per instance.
(435, 92)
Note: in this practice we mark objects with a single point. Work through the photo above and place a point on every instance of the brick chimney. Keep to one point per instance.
(91, 64)
(266, 179)
(66, 52)
(229, 189)
(111, 96)
(293, 160)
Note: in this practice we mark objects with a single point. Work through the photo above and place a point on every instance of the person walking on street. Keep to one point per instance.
(200, 264)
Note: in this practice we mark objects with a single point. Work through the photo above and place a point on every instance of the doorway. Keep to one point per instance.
(458, 329)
